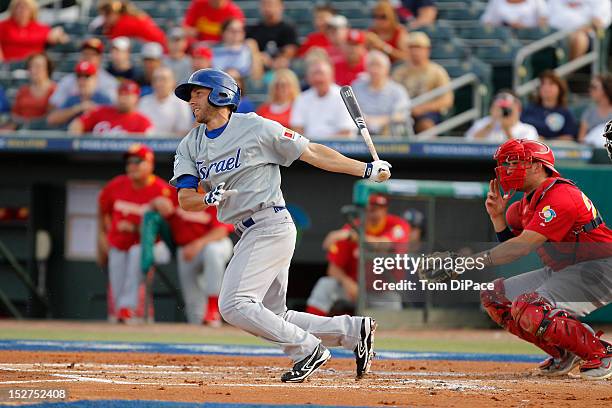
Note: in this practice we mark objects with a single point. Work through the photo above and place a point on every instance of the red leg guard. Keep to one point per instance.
(535, 315)
(315, 311)
(499, 308)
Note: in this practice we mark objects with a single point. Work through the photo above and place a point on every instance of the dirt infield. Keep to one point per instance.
(141, 376)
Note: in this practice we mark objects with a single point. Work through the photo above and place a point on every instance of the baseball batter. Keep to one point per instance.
(237, 157)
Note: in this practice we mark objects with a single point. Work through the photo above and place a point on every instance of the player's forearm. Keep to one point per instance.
(191, 200)
(328, 159)
(513, 249)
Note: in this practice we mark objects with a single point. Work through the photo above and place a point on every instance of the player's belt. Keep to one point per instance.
(249, 222)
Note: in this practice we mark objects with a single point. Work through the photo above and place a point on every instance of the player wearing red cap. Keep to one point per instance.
(340, 284)
(204, 249)
(559, 222)
(113, 120)
(122, 203)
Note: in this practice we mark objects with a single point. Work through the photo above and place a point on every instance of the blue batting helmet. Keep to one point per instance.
(224, 91)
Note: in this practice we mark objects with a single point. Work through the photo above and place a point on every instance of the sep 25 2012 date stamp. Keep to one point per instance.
(14, 394)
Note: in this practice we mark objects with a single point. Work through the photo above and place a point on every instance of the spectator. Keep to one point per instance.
(503, 122)
(321, 16)
(87, 99)
(120, 65)
(386, 33)
(245, 105)
(177, 59)
(319, 112)
(340, 284)
(420, 75)
(21, 35)
(549, 113)
(151, 54)
(353, 61)
(204, 249)
(120, 209)
(32, 100)
(170, 115)
(91, 51)
(114, 120)
(201, 58)
(282, 93)
(417, 13)
(275, 37)
(515, 13)
(123, 19)
(600, 110)
(337, 33)
(581, 16)
(384, 103)
(204, 18)
(234, 51)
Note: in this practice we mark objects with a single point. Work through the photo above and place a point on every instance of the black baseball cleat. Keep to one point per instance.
(364, 352)
(305, 367)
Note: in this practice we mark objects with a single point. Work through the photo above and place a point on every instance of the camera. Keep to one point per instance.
(506, 112)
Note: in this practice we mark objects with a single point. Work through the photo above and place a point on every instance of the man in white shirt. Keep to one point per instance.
(581, 16)
(503, 123)
(384, 102)
(91, 51)
(171, 117)
(319, 112)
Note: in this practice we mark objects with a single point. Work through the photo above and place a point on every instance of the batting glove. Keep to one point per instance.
(378, 171)
(218, 194)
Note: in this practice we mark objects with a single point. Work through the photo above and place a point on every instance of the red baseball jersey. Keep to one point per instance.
(18, 43)
(187, 226)
(107, 120)
(208, 20)
(123, 202)
(558, 210)
(345, 253)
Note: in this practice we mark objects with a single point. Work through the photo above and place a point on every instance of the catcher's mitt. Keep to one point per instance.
(436, 267)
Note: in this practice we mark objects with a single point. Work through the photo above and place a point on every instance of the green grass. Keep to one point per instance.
(500, 346)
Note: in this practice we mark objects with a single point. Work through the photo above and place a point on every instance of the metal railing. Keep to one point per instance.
(591, 58)
(459, 119)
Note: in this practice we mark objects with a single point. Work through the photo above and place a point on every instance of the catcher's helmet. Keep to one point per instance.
(224, 91)
(521, 153)
(608, 135)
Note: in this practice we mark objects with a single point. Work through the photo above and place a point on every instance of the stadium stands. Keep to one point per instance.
(460, 42)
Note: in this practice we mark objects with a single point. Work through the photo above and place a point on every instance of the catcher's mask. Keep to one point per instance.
(608, 135)
(514, 157)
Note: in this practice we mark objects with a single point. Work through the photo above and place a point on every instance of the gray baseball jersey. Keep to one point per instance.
(246, 156)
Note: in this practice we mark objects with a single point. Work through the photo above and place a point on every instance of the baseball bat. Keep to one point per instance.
(348, 96)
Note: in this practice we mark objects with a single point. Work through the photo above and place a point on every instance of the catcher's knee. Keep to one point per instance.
(495, 303)
(529, 311)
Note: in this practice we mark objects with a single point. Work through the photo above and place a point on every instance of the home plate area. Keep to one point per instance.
(126, 379)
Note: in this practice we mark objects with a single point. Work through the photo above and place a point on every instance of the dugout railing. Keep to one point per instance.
(428, 193)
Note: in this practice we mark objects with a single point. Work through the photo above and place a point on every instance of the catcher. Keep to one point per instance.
(562, 225)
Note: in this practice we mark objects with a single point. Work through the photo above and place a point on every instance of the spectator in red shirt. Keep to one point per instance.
(318, 38)
(21, 35)
(282, 92)
(337, 32)
(123, 19)
(386, 33)
(353, 59)
(203, 18)
(32, 100)
(115, 120)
